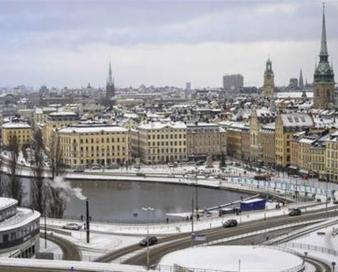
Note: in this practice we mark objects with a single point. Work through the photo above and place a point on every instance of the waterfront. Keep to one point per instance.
(123, 201)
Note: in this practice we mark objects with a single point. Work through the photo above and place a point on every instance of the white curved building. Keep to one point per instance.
(19, 229)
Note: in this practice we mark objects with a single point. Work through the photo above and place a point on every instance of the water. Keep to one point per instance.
(114, 201)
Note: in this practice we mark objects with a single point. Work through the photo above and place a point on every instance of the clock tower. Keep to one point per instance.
(323, 90)
(268, 88)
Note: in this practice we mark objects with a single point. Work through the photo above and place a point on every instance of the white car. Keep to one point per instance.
(72, 226)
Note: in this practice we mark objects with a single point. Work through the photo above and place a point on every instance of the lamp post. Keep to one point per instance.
(333, 266)
(148, 210)
(87, 221)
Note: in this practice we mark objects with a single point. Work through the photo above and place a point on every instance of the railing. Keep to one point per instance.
(312, 248)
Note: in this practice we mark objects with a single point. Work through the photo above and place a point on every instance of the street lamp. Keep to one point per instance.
(148, 210)
(333, 266)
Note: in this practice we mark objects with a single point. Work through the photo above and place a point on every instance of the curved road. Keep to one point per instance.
(70, 251)
(157, 252)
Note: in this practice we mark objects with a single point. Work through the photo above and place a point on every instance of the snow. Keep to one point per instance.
(51, 247)
(230, 258)
(7, 202)
(93, 129)
(67, 265)
(159, 125)
(23, 217)
(16, 125)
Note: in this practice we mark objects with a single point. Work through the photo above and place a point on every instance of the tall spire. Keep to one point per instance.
(110, 77)
(323, 47)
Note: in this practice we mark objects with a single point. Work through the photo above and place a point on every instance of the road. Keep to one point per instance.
(157, 252)
(70, 251)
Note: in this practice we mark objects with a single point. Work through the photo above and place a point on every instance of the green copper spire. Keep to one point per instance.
(323, 48)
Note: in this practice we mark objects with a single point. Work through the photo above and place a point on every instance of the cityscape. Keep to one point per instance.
(173, 136)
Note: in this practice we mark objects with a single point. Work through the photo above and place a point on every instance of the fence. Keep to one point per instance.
(312, 248)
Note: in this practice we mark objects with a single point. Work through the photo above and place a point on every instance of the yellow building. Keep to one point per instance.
(162, 142)
(286, 126)
(57, 120)
(238, 139)
(22, 131)
(83, 146)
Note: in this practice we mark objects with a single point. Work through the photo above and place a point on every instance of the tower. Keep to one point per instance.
(269, 83)
(301, 81)
(323, 90)
(110, 88)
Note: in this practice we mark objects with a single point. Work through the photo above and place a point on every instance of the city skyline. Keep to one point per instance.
(160, 43)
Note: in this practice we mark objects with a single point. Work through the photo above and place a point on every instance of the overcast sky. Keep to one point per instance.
(69, 43)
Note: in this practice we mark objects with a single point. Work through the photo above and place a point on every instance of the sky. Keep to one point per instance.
(69, 43)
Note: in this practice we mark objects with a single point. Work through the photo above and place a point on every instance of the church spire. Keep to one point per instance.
(323, 46)
(110, 76)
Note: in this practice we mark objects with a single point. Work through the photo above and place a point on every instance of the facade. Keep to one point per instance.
(324, 84)
(162, 142)
(57, 120)
(204, 139)
(22, 131)
(286, 126)
(267, 139)
(268, 88)
(331, 157)
(238, 140)
(19, 230)
(83, 146)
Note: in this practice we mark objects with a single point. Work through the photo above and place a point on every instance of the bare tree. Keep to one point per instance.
(16, 187)
(55, 155)
(37, 185)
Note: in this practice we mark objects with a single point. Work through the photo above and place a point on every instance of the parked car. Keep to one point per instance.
(230, 223)
(140, 174)
(96, 167)
(151, 240)
(78, 170)
(72, 226)
(295, 212)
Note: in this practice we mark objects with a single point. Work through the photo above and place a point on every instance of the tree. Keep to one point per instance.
(55, 155)
(37, 185)
(222, 161)
(16, 186)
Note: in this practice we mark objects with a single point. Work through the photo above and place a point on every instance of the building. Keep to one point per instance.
(21, 130)
(110, 87)
(19, 230)
(331, 157)
(233, 82)
(286, 126)
(267, 140)
(161, 142)
(324, 84)
(238, 140)
(82, 146)
(56, 120)
(268, 88)
(204, 139)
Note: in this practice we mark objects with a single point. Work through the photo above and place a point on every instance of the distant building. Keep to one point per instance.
(21, 130)
(324, 84)
(268, 88)
(110, 87)
(233, 83)
(293, 83)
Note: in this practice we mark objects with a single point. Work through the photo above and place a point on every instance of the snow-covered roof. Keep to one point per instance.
(293, 94)
(22, 217)
(62, 113)
(159, 125)
(297, 120)
(16, 125)
(7, 202)
(92, 129)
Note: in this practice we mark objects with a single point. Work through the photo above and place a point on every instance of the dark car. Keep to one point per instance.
(295, 212)
(149, 240)
(230, 223)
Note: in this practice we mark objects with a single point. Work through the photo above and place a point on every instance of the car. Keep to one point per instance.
(140, 174)
(151, 240)
(72, 226)
(295, 212)
(230, 223)
(78, 170)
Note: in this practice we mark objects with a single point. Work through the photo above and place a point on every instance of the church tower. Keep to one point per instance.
(268, 88)
(110, 88)
(323, 91)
